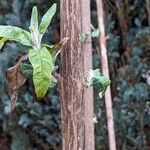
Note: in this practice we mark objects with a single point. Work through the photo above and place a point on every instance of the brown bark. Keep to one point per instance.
(72, 75)
(105, 70)
(148, 10)
(88, 94)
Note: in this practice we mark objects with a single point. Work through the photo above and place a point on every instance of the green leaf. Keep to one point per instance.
(55, 49)
(52, 50)
(102, 83)
(42, 63)
(46, 19)
(54, 53)
(15, 34)
(34, 19)
(48, 46)
(2, 41)
(94, 77)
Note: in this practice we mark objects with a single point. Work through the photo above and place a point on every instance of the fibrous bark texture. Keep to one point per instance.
(76, 60)
(72, 75)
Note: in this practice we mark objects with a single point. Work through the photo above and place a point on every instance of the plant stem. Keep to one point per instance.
(88, 93)
(105, 70)
(148, 10)
(72, 75)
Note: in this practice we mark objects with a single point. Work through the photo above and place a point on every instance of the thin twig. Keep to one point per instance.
(148, 10)
(105, 70)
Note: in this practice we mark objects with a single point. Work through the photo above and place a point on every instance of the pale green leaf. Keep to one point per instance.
(46, 19)
(48, 46)
(52, 50)
(55, 49)
(2, 41)
(42, 63)
(100, 94)
(34, 19)
(94, 77)
(15, 34)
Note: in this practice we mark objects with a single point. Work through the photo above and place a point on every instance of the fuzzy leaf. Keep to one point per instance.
(34, 19)
(42, 63)
(46, 19)
(15, 34)
(16, 79)
(2, 41)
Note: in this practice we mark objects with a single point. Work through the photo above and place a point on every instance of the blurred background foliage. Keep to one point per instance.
(36, 124)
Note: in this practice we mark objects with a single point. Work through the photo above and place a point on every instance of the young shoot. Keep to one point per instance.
(41, 57)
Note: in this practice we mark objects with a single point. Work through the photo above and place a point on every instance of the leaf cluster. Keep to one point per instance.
(33, 124)
(40, 57)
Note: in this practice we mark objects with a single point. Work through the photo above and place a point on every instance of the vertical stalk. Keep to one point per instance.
(148, 10)
(105, 70)
(72, 76)
(87, 55)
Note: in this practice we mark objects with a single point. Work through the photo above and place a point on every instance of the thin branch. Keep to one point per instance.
(88, 93)
(148, 10)
(105, 70)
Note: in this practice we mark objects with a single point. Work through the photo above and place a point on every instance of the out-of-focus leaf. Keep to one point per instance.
(16, 6)
(16, 79)
(20, 141)
(42, 63)
(34, 19)
(95, 33)
(25, 120)
(12, 19)
(27, 69)
(15, 34)
(46, 19)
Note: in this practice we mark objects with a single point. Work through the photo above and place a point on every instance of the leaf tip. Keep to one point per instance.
(34, 7)
(55, 5)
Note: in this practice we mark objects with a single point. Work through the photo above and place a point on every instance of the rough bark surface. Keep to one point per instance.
(88, 94)
(72, 75)
(105, 70)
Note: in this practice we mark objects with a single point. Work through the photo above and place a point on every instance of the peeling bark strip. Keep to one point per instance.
(105, 70)
(88, 94)
(72, 75)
